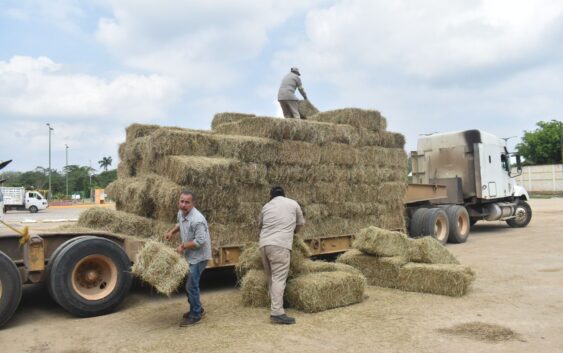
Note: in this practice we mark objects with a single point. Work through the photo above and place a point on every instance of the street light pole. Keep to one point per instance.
(49, 193)
(66, 170)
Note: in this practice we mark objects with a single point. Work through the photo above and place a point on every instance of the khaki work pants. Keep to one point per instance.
(276, 267)
(290, 109)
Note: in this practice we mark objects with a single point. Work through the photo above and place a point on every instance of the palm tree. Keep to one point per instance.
(105, 162)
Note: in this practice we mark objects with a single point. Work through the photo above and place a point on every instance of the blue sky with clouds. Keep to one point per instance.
(91, 68)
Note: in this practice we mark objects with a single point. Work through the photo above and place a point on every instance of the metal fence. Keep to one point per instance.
(542, 178)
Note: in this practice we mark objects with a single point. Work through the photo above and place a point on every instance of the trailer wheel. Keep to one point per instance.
(436, 224)
(33, 209)
(458, 219)
(523, 215)
(54, 255)
(417, 221)
(10, 288)
(90, 276)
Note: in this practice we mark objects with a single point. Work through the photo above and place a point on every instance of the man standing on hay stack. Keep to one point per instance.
(286, 94)
(196, 246)
(279, 220)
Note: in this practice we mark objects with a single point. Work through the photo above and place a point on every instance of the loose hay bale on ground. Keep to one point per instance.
(306, 109)
(429, 250)
(160, 266)
(381, 242)
(325, 290)
(379, 271)
(443, 279)
(254, 289)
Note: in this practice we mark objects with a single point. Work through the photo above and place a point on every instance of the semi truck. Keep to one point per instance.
(459, 178)
(17, 198)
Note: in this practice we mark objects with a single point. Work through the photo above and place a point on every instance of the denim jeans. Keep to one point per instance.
(192, 288)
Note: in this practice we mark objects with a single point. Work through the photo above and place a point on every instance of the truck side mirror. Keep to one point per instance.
(518, 166)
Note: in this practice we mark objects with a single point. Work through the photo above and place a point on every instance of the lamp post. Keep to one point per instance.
(66, 169)
(50, 129)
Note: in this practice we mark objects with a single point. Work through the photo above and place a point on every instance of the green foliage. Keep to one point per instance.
(105, 162)
(543, 145)
(78, 180)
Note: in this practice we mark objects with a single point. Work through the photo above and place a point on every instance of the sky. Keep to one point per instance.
(91, 68)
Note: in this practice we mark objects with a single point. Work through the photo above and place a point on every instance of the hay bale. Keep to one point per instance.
(360, 118)
(310, 266)
(222, 118)
(135, 130)
(160, 266)
(379, 271)
(381, 242)
(254, 289)
(306, 109)
(429, 250)
(321, 291)
(451, 280)
(122, 222)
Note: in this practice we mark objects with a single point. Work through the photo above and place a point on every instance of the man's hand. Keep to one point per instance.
(168, 235)
(180, 249)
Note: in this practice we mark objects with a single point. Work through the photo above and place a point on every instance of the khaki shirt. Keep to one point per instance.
(278, 220)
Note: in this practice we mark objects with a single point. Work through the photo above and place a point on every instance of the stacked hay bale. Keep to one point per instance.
(312, 286)
(391, 259)
(342, 166)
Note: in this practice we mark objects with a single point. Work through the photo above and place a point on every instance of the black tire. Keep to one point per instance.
(90, 277)
(523, 215)
(458, 219)
(33, 209)
(436, 224)
(416, 222)
(10, 288)
(54, 256)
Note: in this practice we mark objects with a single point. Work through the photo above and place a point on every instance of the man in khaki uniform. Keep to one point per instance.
(286, 94)
(279, 220)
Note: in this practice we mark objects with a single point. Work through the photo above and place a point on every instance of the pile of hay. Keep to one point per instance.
(160, 266)
(383, 258)
(306, 109)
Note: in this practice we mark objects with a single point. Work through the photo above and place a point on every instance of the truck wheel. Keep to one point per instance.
(523, 215)
(436, 224)
(90, 276)
(33, 209)
(54, 256)
(458, 219)
(416, 222)
(10, 288)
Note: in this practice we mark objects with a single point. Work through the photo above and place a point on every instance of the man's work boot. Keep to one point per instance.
(282, 319)
(187, 314)
(189, 321)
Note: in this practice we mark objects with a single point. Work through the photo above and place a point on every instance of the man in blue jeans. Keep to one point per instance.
(196, 247)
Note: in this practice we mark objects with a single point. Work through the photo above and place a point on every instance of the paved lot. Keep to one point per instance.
(519, 287)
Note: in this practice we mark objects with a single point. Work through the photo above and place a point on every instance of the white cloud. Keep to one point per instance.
(39, 87)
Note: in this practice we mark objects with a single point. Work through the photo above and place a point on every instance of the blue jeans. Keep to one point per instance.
(192, 288)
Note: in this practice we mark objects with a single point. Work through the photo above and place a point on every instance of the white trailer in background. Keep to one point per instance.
(17, 198)
(472, 177)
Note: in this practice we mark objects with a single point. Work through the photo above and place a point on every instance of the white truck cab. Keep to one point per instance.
(17, 198)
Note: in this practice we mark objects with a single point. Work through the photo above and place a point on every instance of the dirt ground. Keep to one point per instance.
(519, 287)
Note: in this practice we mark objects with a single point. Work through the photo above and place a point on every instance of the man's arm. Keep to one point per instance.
(199, 239)
(301, 89)
(299, 219)
(175, 230)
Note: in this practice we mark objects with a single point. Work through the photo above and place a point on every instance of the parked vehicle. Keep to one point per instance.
(17, 198)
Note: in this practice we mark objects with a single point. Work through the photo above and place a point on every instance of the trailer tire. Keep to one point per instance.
(90, 277)
(417, 220)
(54, 255)
(10, 288)
(523, 215)
(33, 209)
(458, 219)
(436, 224)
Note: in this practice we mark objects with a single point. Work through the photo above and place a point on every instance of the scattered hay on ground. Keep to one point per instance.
(381, 242)
(360, 118)
(324, 290)
(379, 271)
(160, 266)
(306, 109)
(254, 289)
(482, 332)
(429, 250)
(451, 280)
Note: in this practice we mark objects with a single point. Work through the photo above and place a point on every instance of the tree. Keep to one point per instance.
(105, 162)
(543, 145)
